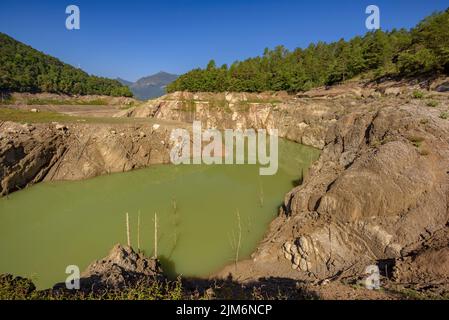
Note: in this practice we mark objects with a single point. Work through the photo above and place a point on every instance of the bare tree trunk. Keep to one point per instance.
(155, 235)
(128, 236)
(138, 231)
(237, 250)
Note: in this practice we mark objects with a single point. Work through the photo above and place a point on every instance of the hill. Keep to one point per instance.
(24, 69)
(397, 53)
(124, 82)
(150, 87)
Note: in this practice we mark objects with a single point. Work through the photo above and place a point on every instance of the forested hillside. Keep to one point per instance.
(424, 49)
(24, 69)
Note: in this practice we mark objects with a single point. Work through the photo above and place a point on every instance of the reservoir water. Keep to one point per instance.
(202, 210)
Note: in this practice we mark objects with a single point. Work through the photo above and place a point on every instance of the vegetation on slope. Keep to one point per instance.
(17, 288)
(24, 69)
(403, 53)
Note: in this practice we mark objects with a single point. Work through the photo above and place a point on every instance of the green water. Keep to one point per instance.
(47, 227)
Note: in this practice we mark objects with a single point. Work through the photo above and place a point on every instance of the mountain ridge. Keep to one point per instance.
(149, 87)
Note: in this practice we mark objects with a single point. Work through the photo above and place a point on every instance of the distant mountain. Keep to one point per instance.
(150, 87)
(124, 82)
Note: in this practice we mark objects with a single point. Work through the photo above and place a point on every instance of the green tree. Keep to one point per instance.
(24, 69)
(424, 49)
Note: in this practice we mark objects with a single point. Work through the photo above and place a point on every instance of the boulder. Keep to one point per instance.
(444, 87)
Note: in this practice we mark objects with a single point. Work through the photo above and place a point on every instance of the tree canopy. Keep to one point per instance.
(424, 49)
(24, 69)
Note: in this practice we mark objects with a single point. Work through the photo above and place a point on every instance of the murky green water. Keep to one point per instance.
(49, 226)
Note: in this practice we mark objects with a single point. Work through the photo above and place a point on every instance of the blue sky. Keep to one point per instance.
(132, 38)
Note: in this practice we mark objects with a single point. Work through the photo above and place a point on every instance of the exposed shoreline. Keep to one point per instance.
(379, 190)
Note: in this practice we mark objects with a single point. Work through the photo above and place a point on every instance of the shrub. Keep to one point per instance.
(418, 94)
(416, 140)
(432, 103)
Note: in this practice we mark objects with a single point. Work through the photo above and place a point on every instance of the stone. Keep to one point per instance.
(297, 260)
(444, 87)
(304, 244)
(287, 246)
(303, 265)
(61, 127)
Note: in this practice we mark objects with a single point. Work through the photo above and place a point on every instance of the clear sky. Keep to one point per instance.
(135, 38)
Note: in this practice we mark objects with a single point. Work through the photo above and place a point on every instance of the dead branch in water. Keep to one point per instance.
(175, 222)
(240, 238)
(155, 235)
(128, 236)
(138, 231)
(237, 242)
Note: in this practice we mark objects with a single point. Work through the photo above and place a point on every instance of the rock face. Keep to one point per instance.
(379, 190)
(301, 121)
(122, 267)
(27, 154)
(44, 152)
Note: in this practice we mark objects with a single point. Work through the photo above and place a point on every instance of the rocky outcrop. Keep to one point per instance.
(101, 149)
(123, 267)
(378, 191)
(27, 154)
(44, 152)
(302, 121)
